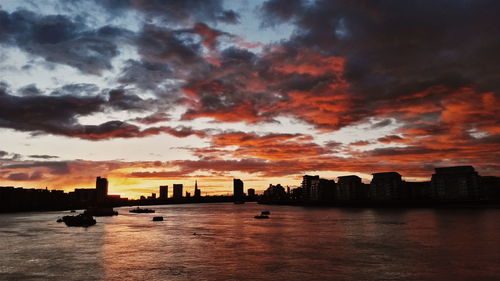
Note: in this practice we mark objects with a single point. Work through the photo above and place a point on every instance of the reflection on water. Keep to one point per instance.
(225, 242)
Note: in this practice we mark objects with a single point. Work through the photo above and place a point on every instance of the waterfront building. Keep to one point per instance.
(178, 191)
(251, 193)
(275, 193)
(419, 190)
(491, 187)
(197, 191)
(307, 185)
(101, 185)
(456, 183)
(84, 195)
(388, 186)
(163, 192)
(238, 192)
(351, 188)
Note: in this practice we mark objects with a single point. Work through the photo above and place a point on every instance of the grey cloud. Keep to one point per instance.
(60, 39)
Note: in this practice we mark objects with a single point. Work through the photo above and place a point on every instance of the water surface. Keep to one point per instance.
(225, 242)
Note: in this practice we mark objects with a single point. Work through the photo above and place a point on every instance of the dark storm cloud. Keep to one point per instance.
(121, 99)
(58, 114)
(277, 11)
(145, 75)
(163, 45)
(59, 39)
(29, 90)
(51, 114)
(393, 48)
(175, 11)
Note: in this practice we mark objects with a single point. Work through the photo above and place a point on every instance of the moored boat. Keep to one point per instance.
(79, 220)
(261, 217)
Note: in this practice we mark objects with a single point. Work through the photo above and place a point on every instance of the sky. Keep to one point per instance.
(151, 93)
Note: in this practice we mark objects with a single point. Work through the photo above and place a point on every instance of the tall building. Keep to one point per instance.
(101, 186)
(308, 184)
(177, 191)
(238, 189)
(456, 183)
(351, 188)
(322, 190)
(163, 192)
(388, 186)
(197, 192)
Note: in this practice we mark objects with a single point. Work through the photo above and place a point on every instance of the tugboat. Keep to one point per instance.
(262, 217)
(157, 218)
(139, 210)
(79, 220)
(100, 212)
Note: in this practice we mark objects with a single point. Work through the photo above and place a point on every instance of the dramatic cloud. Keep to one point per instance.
(60, 39)
(176, 11)
(325, 86)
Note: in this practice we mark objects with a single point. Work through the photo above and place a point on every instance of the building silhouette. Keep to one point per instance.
(177, 191)
(163, 192)
(275, 193)
(351, 188)
(419, 190)
(84, 195)
(490, 187)
(387, 186)
(197, 192)
(456, 183)
(101, 186)
(238, 192)
(251, 193)
(307, 186)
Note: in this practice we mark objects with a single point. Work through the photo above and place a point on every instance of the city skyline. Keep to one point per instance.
(168, 92)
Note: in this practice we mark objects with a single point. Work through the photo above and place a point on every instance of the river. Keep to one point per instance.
(224, 242)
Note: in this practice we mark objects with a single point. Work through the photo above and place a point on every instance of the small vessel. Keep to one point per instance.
(72, 211)
(262, 217)
(266, 212)
(139, 210)
(239, 202)
(79, 220)
(157, 218)
(100, 211)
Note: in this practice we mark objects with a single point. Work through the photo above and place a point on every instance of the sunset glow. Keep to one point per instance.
(265, 91)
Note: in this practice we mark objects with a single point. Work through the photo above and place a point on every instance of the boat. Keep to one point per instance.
(261, 217)
(157, 218)
(72, 211)
(139, 210)
(100, 212)
(79, 220)
(265, 212)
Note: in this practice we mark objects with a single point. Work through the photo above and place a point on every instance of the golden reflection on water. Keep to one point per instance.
(225, 242)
